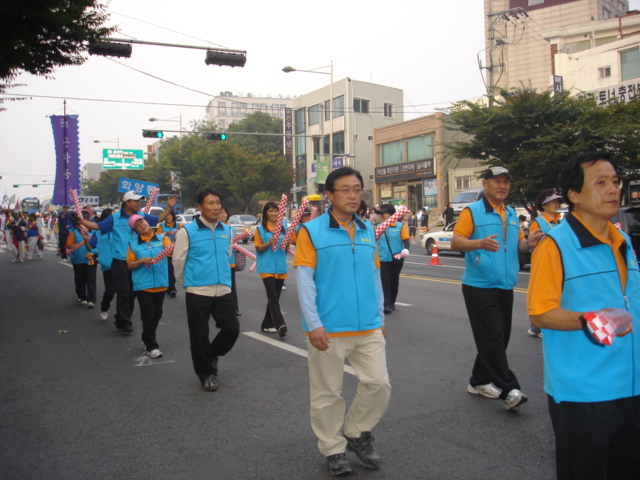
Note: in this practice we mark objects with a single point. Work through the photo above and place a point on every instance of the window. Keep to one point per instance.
(314, 114)
(535, 2)
(360, 105)
(420, 148)
(463, 183)
(299, 121)
(338, 143)
(338, 106)
(630, 64)
(604, 72)
(388, 110)
(606, 14)
(327, 110)
(391, 152)
(222, 108)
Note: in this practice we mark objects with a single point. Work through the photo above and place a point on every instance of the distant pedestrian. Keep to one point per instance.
(424, 222)
(84, 263)
(412, 223)
(169, 228)
(448, 215)
(64, 226)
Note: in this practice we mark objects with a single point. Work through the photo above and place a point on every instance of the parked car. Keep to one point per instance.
(191, 211)
(184, 219)
(248, 220)
(239, 226)
(254, 227)
(442, 238)
(157, 211)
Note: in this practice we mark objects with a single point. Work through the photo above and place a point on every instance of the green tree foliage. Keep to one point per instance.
(106, 186)
(534, 134)
(258, 122)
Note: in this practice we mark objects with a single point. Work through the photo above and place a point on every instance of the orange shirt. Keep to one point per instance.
(544, 296)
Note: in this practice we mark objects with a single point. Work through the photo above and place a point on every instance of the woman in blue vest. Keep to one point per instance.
(169, 228)
(272, 267)
(150, 280)
(104, 259)
(548, 204)
(84, 264)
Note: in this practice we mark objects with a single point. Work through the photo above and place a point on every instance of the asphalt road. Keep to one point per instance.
(80, 401)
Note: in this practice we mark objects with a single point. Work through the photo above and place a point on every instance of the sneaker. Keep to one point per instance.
(127, 328)
(515, 398)
(269, 330)
(172, 293)
(283, 287)
(393, 306)
(387, 310)
(210, 384)
(338, 464)
(489, 390)
(363, 448)
(155, 353)
(535, 332)
(282, 331)
(64, 260)
(83, 303)
(104, 315)
(90, 305)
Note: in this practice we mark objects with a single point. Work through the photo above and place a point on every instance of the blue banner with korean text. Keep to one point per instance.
(65, 139)
(138, 186)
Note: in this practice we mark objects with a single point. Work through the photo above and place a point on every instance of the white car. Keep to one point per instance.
(182, 220)
(442, 238)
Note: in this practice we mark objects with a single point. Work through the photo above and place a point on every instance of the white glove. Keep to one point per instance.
(405, 252)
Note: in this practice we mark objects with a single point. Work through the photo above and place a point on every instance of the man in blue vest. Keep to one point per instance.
(340, 293)
(202, 260)
(586, 264)
(121, 235)
(489, 232)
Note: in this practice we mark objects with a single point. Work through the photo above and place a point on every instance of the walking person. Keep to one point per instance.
(150, 280)
(548, 204)
(105, 258)
(33, 237)
(64, 226)
(340, 292)
(272, 267)
(393, 241)
(118, 225)
(169, 228)
(586, 264)
(448, 215)
(84, 264)
(202, 258)
(18, 228)
(424, 222)
(489, 232)
(412, 223)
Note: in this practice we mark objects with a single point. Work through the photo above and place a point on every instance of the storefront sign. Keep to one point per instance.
(405, 171)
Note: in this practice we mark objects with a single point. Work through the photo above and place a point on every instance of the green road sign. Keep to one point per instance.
(113, 159)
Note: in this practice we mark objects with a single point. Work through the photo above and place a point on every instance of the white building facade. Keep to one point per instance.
(228, 108)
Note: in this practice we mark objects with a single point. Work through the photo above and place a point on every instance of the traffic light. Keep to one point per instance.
(16, 186)
(224, 58)
(110, 49)
(152, 133)
(214, 137)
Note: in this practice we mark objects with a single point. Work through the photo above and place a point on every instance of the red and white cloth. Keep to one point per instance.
(604, 326)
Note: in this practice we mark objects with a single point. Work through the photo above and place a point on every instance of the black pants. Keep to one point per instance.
(490, 311)
(172, 277)
(84, 276)
(150, 314)
(597, 440)
(109, 290)
(234, 291)
(125, 296)
(273, 316)
(204, 354)
(390, 277)
(62, 243)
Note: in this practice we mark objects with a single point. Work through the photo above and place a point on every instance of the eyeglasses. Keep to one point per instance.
(347, 191)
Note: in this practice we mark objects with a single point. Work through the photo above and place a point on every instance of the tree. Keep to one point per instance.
(534, 134)
(258, 122)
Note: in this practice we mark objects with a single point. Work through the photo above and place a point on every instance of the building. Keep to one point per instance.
(342, 128)
(91, 171)
(227, 108)
(517, 52)
(603, 58)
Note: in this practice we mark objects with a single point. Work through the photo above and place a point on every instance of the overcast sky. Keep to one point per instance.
(428, 48)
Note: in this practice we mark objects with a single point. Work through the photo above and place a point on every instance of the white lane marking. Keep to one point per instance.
(289, 348)
(404, 304)
(145, 361)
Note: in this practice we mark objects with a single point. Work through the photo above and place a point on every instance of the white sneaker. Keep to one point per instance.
(269, 330)
(514, 399)
(283, 287)
(90, 305)
(155, 353)
(83, 303)
(489, 390)
(104, 315)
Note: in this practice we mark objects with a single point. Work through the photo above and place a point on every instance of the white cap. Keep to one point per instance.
(131, 195)
(552, 197)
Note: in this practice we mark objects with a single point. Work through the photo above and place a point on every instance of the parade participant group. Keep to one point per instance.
(583, 299)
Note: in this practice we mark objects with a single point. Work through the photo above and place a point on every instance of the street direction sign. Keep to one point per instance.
(116, 159)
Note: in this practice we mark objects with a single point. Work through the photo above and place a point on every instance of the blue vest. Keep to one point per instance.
(484, 269)
(122, 234)
(144, 277)
(208, 261)
(105, 255)
(272, 261)
(166, 229)
(390, 238)
(576, 367)
(345, 275)
(80, 255)
(544, 225)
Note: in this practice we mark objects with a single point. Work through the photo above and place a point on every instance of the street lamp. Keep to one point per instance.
(115, 140)
(289, 69)
(154, 119)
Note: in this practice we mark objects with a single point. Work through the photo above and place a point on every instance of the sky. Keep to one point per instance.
(428, 48)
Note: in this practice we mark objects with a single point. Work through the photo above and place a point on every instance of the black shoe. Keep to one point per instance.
(238, 314)
(387, 310)
(282, 331)
(126, 328)
(172, 293)
(393, 307)
(210, 384)
(363, 448)
(339, 465)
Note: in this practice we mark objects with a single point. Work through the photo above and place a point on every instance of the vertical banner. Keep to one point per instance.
(288, 131)
(175, 180)
(65, 138)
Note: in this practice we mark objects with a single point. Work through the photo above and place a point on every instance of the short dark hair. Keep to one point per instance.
(542, 195)
(105, 213)
(572, 174)
(202, 194)
(330, 182)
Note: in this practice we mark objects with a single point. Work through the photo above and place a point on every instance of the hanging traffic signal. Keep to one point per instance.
(110, 49)
(224, 58)
(214, 137)
(152, 133)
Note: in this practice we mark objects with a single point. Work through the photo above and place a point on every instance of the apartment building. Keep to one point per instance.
(228, 108)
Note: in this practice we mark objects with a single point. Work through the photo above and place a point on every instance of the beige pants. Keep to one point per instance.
(366, 354)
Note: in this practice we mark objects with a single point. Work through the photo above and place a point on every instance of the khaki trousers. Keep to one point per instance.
(366, 354)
